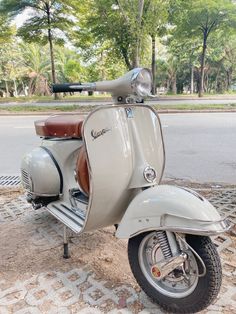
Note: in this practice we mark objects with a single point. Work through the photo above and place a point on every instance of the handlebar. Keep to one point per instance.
(67, 87)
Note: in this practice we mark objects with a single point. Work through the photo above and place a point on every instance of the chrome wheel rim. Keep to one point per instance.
(172, 285)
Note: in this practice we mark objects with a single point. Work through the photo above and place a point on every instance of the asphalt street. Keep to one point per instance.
(200, 147)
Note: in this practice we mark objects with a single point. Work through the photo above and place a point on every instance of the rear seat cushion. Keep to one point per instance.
(60, 126)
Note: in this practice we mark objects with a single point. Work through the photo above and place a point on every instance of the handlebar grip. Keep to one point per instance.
(66, 87)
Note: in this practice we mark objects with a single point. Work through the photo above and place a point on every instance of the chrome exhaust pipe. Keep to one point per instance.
(164, 267)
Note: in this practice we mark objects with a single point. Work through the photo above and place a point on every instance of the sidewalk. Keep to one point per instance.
(34, 278)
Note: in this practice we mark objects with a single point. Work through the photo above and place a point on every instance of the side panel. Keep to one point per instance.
(147, 145)
(108, 147)
(65, 151)
(170, 208)
(39, 174)
(121, 141)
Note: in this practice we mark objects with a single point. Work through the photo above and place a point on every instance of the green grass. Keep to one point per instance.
(31, 108)
(79, 97)
(87, 108)
(76, 97)
(195, 107)
(205, 95)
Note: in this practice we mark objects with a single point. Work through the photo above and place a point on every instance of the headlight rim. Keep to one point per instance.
(134, 81)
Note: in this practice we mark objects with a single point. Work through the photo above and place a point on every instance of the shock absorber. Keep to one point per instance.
(164, 244)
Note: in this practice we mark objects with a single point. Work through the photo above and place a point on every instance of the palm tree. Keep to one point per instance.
(37, 63)
(49, 15)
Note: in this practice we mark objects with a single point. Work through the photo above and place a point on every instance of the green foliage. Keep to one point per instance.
(37, 64)
(197, 16)
(122, 25)
(50, 18)
(91, 40)
(6, 31)
(36, 27)
(198, 26)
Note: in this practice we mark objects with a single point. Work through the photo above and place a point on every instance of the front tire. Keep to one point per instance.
(172, 293)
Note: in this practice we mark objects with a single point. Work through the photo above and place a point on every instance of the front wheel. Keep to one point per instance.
(183, 290)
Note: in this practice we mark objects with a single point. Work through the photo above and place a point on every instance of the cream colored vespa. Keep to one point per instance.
(106, 170)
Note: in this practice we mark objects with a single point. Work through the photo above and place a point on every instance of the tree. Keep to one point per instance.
(50, 18)
(11, 67)
(167, 74)
(125, 25)
(229, 60)
(131, 14)
(4, 59)
(200, 19)
(36, 61)
(155, 19)
(102, 23)
(69, 65)
(105, 56)
(6, 31)
(186, 55)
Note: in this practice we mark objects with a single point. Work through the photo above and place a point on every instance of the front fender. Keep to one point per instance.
(170, 208)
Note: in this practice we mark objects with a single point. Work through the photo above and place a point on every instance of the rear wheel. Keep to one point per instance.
(181, 291)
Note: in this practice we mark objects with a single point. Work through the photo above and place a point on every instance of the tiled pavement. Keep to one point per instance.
(79, 290)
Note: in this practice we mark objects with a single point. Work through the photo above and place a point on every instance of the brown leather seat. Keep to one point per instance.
(82, 174)
(69, 125)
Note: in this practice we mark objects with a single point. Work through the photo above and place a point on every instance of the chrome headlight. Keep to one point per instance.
(141, 82)
(150, 174)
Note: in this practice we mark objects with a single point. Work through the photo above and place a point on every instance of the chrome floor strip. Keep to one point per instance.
(66, 216)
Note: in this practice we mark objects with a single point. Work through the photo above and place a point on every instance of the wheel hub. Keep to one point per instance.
(178, 281)
(166, 266)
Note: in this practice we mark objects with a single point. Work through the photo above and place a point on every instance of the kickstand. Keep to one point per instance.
(65, 240)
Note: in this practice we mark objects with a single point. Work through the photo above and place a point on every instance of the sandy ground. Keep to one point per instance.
(26, 252)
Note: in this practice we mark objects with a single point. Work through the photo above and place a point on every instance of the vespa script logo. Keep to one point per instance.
(96, 134)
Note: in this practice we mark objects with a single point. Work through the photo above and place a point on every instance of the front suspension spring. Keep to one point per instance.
(164, 244)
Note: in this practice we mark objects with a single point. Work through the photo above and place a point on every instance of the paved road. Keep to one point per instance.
(168, 102)
(199, 147)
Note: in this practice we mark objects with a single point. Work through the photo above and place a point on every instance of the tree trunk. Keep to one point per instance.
(216, 80)
(229, 78)
(102, 69)
(135, 63)
(154, 64)
(7, 89)
(51, 47)
(192, 80)
(167, 85)
(173, 84)
(206, 83)
(31, 87)
(203, 56)
(102, 66)
(24, 89)
(124, 54)
(136, 55)
(52, 56)
(15, 88)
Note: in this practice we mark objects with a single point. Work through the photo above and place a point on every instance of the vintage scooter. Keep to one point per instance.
(106, 170)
